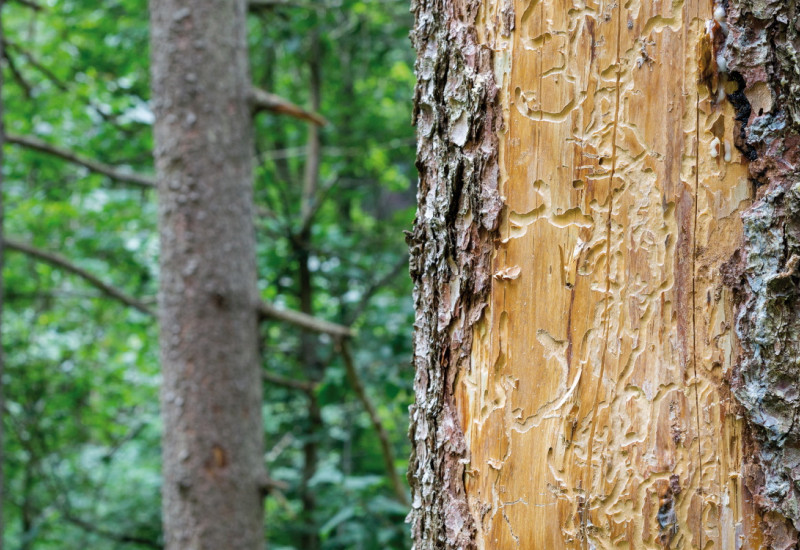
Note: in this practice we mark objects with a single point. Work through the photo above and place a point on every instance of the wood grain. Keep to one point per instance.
(596, 408)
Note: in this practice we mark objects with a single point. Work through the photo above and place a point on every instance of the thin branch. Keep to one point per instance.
(66, 265)
(304, 320)
(383, 435)
(112, 172)
(28, 3)
(265, 101)
(116, 537)
(255, 5)
(8, 44)
(375, 287)
(290, 383)
(265, 309)
(17, 75)
(315, 205)
(302, 150)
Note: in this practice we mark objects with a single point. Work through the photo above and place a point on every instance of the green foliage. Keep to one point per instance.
(82, 433)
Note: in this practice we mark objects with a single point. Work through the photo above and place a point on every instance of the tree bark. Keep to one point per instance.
(605, 258)
(211, 395)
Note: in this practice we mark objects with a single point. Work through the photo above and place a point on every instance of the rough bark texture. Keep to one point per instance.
(211, 394)
(572, 381)
(451, 251)
(762, 51)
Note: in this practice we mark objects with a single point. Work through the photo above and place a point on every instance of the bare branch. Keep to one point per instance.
(314, 206)
(265, 309)
(8, 44)
(116, 537)
(290, 383)
(66, 265)
(302, 150)
(383, 435)
(112, 172)
(304, 320)
(32, 5)
(12, 66)
(266, 4)
(265, 101)
(375, 287)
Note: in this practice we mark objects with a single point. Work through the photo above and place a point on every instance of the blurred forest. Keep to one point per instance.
(81, 414)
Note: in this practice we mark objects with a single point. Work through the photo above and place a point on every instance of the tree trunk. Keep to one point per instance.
(2, 253)
(211, 397)
(605, 249)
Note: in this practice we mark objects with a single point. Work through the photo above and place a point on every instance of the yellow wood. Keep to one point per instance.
(596, 409)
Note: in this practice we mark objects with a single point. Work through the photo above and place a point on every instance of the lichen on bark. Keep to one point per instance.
(762, 53)
(451, 253)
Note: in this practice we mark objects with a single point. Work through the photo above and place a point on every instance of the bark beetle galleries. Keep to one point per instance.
(632, 210)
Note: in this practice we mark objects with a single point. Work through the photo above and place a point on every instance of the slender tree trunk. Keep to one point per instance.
(2, 252)
(605, 257)
(308, 350)
(211, 397)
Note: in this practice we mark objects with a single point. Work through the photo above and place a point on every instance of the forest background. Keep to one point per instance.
(81, 414)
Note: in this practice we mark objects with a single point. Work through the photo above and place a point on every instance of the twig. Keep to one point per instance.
(112, 172)
(383, 435)
(302, 150)
(32, 5)
(304, 320)
(265, 101)
(12, 66)
(66, 265)
(117, 537)
(8, 44)
(266, 4)
(301, 385)
(375, 287)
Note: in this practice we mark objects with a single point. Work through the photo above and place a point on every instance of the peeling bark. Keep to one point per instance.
(595, 406)
(762, 52)
(451, 251)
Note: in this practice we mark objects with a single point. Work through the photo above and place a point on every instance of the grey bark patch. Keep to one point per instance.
(761, 52)
(451, 253)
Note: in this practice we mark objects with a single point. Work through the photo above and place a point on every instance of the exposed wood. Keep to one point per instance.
(595, 405)
(606, 357)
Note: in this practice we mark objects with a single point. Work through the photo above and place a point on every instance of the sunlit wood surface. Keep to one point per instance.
(596, 408)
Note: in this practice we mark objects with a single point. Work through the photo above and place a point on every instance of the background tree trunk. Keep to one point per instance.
(211, 396)
(582, 268)
(2, 253)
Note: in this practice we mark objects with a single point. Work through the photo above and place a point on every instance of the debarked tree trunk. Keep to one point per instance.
(607, 339)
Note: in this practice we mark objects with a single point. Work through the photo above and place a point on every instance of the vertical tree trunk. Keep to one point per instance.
(211, 397)
(589, 299)
(2, 251)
